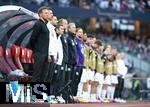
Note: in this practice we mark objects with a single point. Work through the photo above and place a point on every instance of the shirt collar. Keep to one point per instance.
(51, 26)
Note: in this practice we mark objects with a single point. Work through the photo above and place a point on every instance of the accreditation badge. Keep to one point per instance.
(65, 40)
(72, 42)
(75, 41)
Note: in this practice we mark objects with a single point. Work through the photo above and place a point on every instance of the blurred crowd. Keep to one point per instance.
(136, 45)
(118, 5)
(103, 69)
(93, 72)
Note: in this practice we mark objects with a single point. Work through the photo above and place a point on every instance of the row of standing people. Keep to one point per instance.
(63, 52)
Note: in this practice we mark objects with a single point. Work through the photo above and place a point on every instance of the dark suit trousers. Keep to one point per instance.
(76, 78)
(40, 68)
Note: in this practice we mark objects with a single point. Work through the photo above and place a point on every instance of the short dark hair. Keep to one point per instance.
(49, 8)
(79, 28)
(42, 8)
(57, 26)
(98, 42)
(60, 21)
(90, 36)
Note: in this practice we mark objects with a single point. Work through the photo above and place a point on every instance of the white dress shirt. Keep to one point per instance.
(53, 41)
(59, 51)
(121, 68)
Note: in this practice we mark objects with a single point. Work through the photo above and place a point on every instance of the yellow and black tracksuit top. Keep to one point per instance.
(108, 67)
(92, 60)
(99, 63)
(86, 56)
(114, 67)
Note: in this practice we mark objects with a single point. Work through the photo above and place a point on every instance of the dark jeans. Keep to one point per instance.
(119, 88)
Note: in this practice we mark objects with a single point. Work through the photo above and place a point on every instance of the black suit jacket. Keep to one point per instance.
(65, 48)
(39, 41)
(72, 50)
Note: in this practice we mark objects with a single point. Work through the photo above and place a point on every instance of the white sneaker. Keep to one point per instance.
(39, 101)
(18, 72)
(117, 100)
(60, 99)
(53, 100)
(122, 101)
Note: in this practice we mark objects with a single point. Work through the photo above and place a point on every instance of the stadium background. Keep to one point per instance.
(124, 24)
